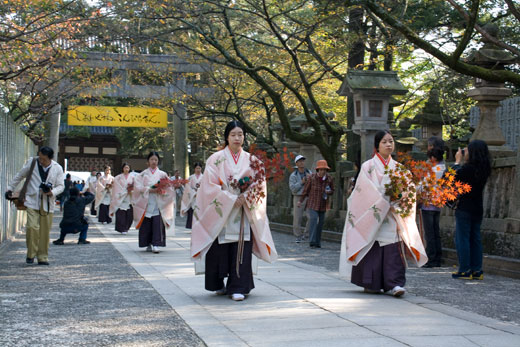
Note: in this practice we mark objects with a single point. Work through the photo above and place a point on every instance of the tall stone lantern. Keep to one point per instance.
(371, 92)
(488, 94)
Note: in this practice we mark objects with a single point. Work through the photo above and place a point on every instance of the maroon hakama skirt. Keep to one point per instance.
(124, 219)
(103, 215)
(221, 261)
(152, 232)
(381, 268)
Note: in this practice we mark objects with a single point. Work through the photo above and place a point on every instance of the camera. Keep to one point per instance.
(46, 187)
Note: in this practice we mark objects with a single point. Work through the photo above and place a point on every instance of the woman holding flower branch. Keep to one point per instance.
(380, 225)
(104, 195)
(230, 220)
(153, 203)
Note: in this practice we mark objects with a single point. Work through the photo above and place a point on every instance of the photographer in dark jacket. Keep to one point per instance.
(74, 220)
(470, 208)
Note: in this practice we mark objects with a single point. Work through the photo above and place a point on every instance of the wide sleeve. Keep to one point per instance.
(212, 207)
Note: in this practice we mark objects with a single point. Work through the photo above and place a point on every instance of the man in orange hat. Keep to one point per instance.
(319, 188)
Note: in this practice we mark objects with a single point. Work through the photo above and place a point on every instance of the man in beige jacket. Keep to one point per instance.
(45, 184)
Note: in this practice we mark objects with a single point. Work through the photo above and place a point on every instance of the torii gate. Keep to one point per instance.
(122, 63)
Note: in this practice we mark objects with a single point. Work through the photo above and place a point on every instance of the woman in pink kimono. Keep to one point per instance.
(103, 196)
(190, 194)
(375, 237)
(227, 228)
(153, 207)
(121, 203)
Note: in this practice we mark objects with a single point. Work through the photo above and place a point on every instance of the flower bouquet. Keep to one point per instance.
(401, 190)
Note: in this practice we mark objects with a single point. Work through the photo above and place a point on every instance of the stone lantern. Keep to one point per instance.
(488, 94)
(430, 120)
(371, 92)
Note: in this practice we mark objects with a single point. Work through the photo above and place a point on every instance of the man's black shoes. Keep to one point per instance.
(83, 242)
(58, 242)
(43, 263)
(29, 260)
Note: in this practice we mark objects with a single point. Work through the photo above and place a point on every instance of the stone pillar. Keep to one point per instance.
(180, 126)
(52, 129)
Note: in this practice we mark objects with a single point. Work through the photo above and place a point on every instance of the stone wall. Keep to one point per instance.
(16, 149)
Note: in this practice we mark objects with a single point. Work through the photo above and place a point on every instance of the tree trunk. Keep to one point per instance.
(356, 59)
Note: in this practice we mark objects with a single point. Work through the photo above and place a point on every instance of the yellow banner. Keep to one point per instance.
(113, 116)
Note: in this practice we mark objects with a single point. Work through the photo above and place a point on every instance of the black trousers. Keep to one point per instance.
(189, 218)
(381, 268)
(152, 232)
(93, 208)
(221, 261)
(124, 219)
(103, 215)
(433, 236)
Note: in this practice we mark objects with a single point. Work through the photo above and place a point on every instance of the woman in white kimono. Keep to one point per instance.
(227, 228)
(375, 237)
(153, 207)
(121, 203)
(190, 194)
(103, 196)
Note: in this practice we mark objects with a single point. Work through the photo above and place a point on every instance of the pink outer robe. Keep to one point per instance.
(190, 193)
(165, 202)
(367, 207)
(119, 191)
(100, 188)
(214, 204)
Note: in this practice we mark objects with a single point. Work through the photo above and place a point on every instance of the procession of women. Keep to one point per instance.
(225, 204)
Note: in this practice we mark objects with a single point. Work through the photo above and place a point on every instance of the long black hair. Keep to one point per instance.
(232, 125)
(379, 136)
(480, 158)
(197, 164)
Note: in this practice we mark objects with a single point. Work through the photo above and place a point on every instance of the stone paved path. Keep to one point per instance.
(495, 297)
(88, 296)
(298, 304)
(113, 293)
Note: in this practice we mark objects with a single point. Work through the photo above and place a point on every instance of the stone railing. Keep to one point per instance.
(16, 149)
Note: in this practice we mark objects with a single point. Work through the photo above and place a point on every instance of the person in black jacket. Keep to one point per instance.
(470, 209)
(74, 220)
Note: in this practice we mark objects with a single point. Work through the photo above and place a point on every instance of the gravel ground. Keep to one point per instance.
(88, 296)
(495, 297)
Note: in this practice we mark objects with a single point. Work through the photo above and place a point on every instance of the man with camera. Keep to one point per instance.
(74, 220)
(44, 182)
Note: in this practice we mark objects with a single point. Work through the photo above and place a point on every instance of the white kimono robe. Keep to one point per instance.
(121, 198)
(214, 210)
(370, 219)
(141, 196)
(190, 193)
(102, 192)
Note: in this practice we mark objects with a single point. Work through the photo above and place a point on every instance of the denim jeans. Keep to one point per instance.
(316, 220)
(432, 236)
(468, 241)
(73, 230)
